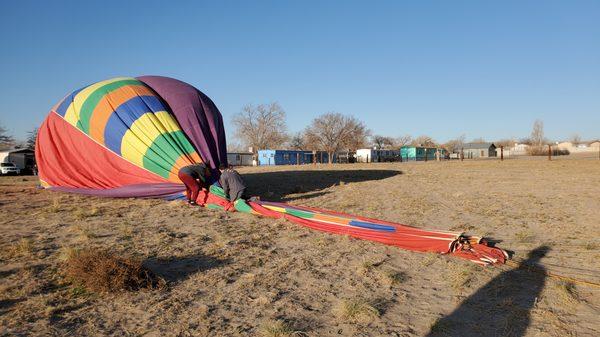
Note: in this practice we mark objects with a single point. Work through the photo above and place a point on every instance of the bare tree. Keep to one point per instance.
(505, 142)
(537, 133)
(402, 141)
(479, 140)
(6, 140)
(525, 140)
(332, 132)
(455, 144)
(31, 139)
(262, 126)
(382, 142)
(297, 142)
(424, 141)
(233, 146)
(575, 139)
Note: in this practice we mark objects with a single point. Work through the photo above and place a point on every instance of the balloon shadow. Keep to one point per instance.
(501, 307)
(276, 186)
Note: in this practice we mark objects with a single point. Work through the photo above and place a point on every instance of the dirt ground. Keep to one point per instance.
(241, 275)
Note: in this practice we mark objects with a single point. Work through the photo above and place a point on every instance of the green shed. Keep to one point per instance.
(419, 153)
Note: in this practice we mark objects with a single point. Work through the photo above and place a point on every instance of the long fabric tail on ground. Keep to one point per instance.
(389, 233)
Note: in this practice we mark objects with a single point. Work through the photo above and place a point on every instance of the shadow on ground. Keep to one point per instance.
(501, 307)
(176, 269)
(275, 186)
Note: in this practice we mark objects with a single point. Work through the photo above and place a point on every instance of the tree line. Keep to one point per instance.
(7, 141)
(264, 126)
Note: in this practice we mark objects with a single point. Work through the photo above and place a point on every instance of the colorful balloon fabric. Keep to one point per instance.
(128, 137)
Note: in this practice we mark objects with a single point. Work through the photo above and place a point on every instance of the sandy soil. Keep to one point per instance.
(240, 275)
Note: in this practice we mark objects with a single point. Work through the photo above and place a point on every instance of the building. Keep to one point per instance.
(345, 157)
(405, 153)
(292, 157)
(517, 150)
(240, 158)
(479, 150)
(376, 156)
(22, 158)
(421, 153)
(582, 147)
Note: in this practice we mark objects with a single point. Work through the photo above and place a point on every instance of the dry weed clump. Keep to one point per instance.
(85, 231)
(357, 310)
(54, 207)
(567, 292)
(103, 271)
(279, 328)
(22, 248)
(524, 236)
(394, 277)
(82, 213)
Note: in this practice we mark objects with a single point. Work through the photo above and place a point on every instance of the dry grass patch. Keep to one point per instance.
(82, 213)
(102, 271)
(85, 231)
(279, 328)
(459, 278)
(54, 207)
(357, 310)
(567, 292)
(441, 327)
(394, 277)
(22, 248)
(430, 259)
(524, 236)
(126, 230)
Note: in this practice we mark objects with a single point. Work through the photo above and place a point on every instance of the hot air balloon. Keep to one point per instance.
(128, 137)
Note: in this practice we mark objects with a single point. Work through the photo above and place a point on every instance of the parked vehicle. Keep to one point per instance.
(9, 168)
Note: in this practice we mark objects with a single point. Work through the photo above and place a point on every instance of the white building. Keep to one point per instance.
(240, 158)
(375, 156)
(22, 158)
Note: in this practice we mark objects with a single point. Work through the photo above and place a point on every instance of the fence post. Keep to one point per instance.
(462, 154)
(425, 154)
(549, 152)
(501, 153)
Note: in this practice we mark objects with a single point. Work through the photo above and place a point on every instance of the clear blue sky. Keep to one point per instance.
(441, 68)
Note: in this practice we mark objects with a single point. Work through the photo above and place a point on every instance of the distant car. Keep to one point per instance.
(9, 168)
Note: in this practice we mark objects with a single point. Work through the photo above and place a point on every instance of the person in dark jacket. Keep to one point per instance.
(232, 183)
(194, 177)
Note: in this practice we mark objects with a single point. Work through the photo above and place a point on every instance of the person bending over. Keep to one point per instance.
(194, 178)
(232, 183)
